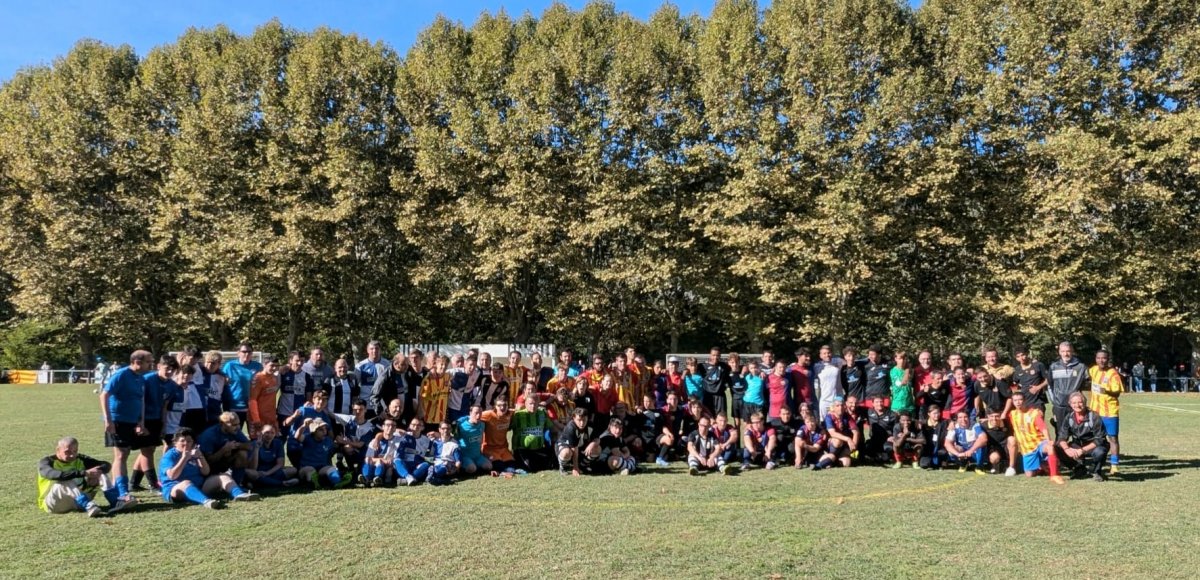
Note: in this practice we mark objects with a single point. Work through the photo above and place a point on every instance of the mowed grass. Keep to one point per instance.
(864, 522)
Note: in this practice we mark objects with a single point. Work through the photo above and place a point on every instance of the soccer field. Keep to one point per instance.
(660, 523)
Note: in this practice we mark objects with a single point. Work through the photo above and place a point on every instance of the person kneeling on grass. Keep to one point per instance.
(964, 443)
(380, 457)
(758, 443)
(571, 441)
(316, 449)
(185, 475)
(530, 426)
(843, 438)
(67, 481)
(266, 466)
(907, 442)
(470, 441)
(409, 455)
(1082, 438)
(1001, 445)
(704, 454)
(811, 442)
(448, 459)
(225, 447)
(1033, 439)
(608, 453)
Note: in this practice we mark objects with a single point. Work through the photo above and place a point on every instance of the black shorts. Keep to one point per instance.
(718, 404)
(749, 409)
(153, 434)
(124, 436)
(739, 409)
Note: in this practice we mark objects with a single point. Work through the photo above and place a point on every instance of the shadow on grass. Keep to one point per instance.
(1152, 467)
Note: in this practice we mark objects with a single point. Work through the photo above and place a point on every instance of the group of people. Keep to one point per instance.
(228, 428)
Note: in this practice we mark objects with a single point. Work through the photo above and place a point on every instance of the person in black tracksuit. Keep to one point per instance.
(1067, 375)
(1082, 439)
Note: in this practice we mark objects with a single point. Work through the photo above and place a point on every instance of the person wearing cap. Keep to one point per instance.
(68, 480)
(316, 410)
(316, 451)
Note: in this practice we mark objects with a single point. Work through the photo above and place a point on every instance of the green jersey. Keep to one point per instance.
(902, 392)
(529, 429)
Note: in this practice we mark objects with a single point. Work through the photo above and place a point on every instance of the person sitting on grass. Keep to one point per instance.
(934, 429)
(673, 419)
(529, 428)
(727, 440)
(758, 443)
(470, 441)
(316, 452)
(447, 457)
(811, 443)
(185, 475)
(571, 441)
(1001, 445)
(907, 442)
(651, 425)
(266, 467)
(843, 438)
(225, 447)
(965, 443)
(352, 447)
(880, 423)
(67, 481)
(377, 468)
(1083, 439)
(1033, 439)
(409, 454)
(608, 453)
(704, 454)
(785, 427)
(317, 410)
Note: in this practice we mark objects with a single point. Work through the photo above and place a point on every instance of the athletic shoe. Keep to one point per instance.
(993, 471)
(728, 469)
(625, 471)
(692, 470)
(293, 482)
(138, 487)
(1010, 472)
(93, 510)
(916, 465)
(962, 468)
(662, 462)
(745, 466)
(362, 480)
(346, 480)
(854, 454)
(897, 465)
(122, 504)
(377, 482)
(560, 470)
(520, 472)
(1057, 480)
(409, 480)
(1112, 469)
(247, 496)
(213, 504)
(770, 465)
(1098, 477)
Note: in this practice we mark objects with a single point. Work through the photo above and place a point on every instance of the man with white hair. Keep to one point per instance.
(68, 480)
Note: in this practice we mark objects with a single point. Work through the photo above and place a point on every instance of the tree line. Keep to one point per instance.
(971, 172)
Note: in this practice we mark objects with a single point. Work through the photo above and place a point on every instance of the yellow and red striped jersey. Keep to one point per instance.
(1106, 387)
(435, 392)
(1028, 427)
(516, 381)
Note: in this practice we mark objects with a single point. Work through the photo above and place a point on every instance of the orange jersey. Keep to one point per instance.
(627, 390)
(495, 435)
(1106, 387)
(1028, 427)
(592, 377)
(553, 384)
(516, 380)
(435, 393)
(264, 391)
(560, 411)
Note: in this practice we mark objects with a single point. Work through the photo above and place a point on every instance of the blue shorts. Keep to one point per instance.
(1033, 460)
(1112, 425)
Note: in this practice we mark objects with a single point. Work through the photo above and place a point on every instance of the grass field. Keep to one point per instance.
(661, 523)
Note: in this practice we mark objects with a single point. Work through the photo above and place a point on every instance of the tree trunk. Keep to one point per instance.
(87, 347)
(293, 329)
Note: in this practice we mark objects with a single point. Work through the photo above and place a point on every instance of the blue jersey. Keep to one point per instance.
(315, 453)
(126, 396)
(755, 390)
(470, 437)
(307, 412)
(241, 376)
(363, 433)
(412, 449)
(270, 454)
(369, 371)
(156, 394)
(173, 396)
(191, 472)
(694, 385)
(964, 437)
(213, 439)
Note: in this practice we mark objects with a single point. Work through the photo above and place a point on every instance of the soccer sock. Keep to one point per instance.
(152, 477)
(83, 501)
(137, 477)
(236, 491)
(662, 452)
(823, 463)
(122, 485)
(112, 495)
(194, 495)
(1112, 459)
(335, 476)
(367, 470)
(1052, 459)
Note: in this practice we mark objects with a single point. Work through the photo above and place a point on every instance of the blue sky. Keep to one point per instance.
(34, 33)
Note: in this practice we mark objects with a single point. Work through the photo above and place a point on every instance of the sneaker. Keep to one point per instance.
(729, 469)
(1057, 480)
(962, 468)
(122, 504)
(1112, 469)
(745, 466)
(213, 504)
(247, 496)
(1010, 472)
(377, 482)
(770, 465)
(692, 470)
(410, 480)
(93, 510)
(520, 472)
(138, 487)
(1097, 477)
(625, 471)
(897, 465)
(362, 480)
(916, 465)
(660, 462)
(561, 471)
(993, 471)
(293, 482)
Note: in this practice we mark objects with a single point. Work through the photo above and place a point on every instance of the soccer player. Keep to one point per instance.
(195, 398)
(356, 435)
(717, 380)
(673, 419)
(158, 385)
(174, 405)
(828, 373)
(295, 388)
(902, 385)
(1001, 445)
(881, 423)
(186, 475)
(990, 396)
(225, 447)
(673, 380)
(854, 381)
(571, 441)
(608, 453)
(754, 388)
(801, 378)
(933, 428)
(559, 410)
(811, 443)
(1083, 438)
(264, 391)
(907, 442)
(409, 453)
(704, 453)
(693, 380)
(67, 481)
(392, 383)
(317, 410)
(496, 422)
(122, 402)
(843, 439)
(1032, 378)
(316, 450)
(515, 374)
(371, 368)
(470, 441)
(240, 374)
(758, 443)
(962, 394)
(381, 455)
(604, 397)
(877, 375)
(266, 466)
(1106, 388)
(343, 388)
(727, 438)
(1067, 375)
(464, 390)
(447, 457)
(1033, 439)
(785, 427)
(964, 443)
(935, 392)
(435, 392)
(215, 383)
(779, 390)
(561, 380)
(530, 426)
(492, 386)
